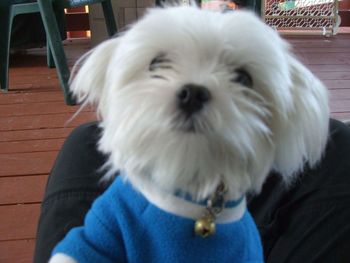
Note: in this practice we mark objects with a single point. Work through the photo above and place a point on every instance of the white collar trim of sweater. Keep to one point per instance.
(181, 207)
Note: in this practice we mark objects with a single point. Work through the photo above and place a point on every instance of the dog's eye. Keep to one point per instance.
(243, 77)
(160, 62)
(159, 59)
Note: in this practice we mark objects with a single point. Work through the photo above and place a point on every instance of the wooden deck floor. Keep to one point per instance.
(33, 125)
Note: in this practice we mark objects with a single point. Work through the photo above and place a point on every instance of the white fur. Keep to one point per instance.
(62, 258)
(280, 123)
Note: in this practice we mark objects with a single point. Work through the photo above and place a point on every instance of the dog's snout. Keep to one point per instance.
(191, 98)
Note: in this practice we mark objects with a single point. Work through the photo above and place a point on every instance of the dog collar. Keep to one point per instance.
(216, 209)
(188, 197)
(214, 205)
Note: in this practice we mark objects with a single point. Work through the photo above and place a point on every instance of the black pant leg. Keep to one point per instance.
(310, 221)
(72, 187)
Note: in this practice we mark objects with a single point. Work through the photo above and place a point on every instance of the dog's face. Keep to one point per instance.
(191, 98)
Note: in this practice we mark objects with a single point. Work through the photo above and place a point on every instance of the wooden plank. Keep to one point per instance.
(18, 221)
(39, 108)
(50, 80)
(339, 94)
(330, 56)
(15, 164)
(30, 97)
(322, 50)
(337, 84)
(35, 109)
(44, 121)
(22, 189)
(31, 146)
(343, 116)
(18, 251)
(29, 87)
(23, 135)
(340, 41)
(333, 75)
(338, 59)
(328, 67)
(340, 106)
(21, 68)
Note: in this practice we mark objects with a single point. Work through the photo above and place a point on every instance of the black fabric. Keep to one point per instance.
(310, 221)
(71, 188)
(306, 222)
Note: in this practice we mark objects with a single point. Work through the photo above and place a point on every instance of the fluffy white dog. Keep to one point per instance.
(196, 107)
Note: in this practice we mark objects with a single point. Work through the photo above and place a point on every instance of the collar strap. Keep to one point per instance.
(186, 196)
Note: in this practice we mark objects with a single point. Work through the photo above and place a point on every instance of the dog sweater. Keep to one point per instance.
(123, 226)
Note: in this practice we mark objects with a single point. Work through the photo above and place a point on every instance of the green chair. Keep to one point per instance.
(49, 10)
(8, 10)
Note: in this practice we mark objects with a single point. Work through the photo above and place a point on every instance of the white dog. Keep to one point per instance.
(196, 107)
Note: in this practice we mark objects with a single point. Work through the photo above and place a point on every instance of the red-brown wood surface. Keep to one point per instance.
(34, 122)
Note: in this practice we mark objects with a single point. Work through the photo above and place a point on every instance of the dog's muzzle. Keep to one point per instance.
(192, 98)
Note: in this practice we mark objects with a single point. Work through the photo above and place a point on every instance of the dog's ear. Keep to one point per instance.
(302, 137)
(88, 84)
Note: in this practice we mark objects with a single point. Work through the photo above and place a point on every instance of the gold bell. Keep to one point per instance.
(204, 227)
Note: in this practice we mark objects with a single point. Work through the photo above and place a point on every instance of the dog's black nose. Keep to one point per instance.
(191, 98)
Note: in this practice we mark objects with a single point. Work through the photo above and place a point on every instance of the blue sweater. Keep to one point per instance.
(122, 226)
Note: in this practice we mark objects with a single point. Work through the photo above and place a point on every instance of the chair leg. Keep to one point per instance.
(109, 17)
(49, 57)
(55, 45)
(5, 29)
